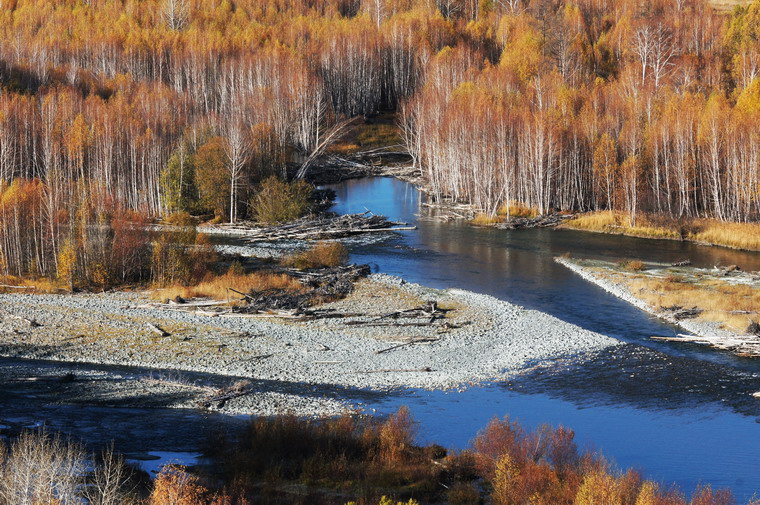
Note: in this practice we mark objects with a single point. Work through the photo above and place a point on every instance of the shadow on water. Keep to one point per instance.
(132, 420)
(683, 412)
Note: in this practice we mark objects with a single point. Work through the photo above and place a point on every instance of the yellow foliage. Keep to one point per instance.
(67, 263)
(599, 488)
(174, 486)
(647, 494)
(505, 481)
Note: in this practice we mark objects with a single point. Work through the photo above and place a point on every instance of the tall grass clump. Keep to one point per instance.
(321, 255)
(217, 286)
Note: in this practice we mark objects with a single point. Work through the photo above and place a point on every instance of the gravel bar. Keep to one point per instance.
(320, 366)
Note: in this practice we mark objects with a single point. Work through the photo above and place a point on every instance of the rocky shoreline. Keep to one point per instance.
(703, 332)
(267, 366)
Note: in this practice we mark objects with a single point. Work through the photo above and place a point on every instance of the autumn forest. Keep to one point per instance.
(114, 112)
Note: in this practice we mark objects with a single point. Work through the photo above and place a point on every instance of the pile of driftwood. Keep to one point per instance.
(524, 223)
(320, 285)
(318, 228)
(680, 313)
(323, 284)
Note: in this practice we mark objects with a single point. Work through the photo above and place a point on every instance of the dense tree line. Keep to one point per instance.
(157, 106)
(632, 106)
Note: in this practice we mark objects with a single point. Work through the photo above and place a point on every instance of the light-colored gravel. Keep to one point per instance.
(318, 366)
(710, 332)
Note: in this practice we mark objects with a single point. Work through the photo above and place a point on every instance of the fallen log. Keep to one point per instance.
(31, 322)
(157, 329)
(398, 346)
(399, 370)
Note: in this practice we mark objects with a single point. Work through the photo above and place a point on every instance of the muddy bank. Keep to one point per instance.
(479, 339)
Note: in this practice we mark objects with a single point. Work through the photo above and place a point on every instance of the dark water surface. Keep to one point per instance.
(681, 413)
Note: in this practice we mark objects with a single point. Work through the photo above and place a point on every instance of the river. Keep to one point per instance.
(681, 413)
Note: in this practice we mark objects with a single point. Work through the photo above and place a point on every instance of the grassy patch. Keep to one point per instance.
(321, 255)
(516, 209)
(730, 304)
(216, 286)
(710, 231)
(618, 222)
(13, 284)
(381, 132)
(736, 235)
(486, 220)
(728, 5)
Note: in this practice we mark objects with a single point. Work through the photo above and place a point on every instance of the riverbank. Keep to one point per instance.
(306, 367)
(719, 306)
(711, 232)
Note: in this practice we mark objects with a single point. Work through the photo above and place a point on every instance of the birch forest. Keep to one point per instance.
(115, 112)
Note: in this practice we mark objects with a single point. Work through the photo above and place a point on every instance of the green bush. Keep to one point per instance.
(278, 201)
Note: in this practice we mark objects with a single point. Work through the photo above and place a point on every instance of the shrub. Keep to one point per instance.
(278, 201)
(632, 265)
(322, 255)
(396, 436)
(463, 493)
(174, 486)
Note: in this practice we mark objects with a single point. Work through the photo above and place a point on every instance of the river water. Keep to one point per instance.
(681, 413)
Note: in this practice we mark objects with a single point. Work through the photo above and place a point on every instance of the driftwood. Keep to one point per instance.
(400, 370)
(411, 342)
(324, 284)
(157, 329)
(31, 322)
(524, 223)
(319, 228)
(684, 263)
(221, 396)
(748, 346)
(679, 313)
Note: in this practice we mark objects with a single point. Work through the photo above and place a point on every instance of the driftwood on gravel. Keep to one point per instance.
(317, 228)
(679, 313)
(405, 344)
(157, 329)
(31, 322)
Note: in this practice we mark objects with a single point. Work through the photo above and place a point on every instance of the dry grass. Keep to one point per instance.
(632, 265)
(711, 231)
(322, 255)
(13, 284)
(486, 220)
(728, 5)
(619, 223)
(736, 235)
(516, 209)
(382, 132)
(512, 210)
(216, 286)
(718, 299)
